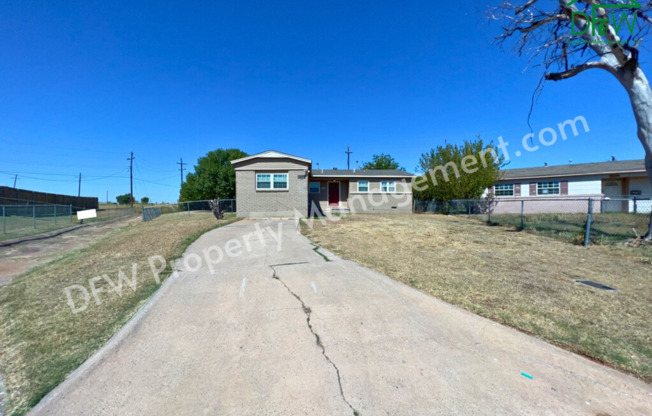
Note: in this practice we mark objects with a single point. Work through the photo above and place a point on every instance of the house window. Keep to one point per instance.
(363, 186)
(314, 187)
(269, 181)
(548, 188)
(504, 189)
(263, 181)
(388, 186)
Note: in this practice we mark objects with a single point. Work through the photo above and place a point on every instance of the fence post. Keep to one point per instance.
(587, 235)
(522, 216)
(188, 207)
(635, 207)
(34, 216)
(70, 212)
(55, 214)
(4, 220)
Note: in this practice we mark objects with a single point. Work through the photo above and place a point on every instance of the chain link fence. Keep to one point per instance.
(31, 218)
(578, 220)
(154, 211)
(113, 213)
(19, 220)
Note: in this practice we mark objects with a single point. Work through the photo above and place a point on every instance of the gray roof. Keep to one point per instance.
(360, 173)
(270, 154)
(580, 169)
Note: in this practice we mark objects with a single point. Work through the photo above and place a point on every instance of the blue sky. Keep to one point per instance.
(84, 83)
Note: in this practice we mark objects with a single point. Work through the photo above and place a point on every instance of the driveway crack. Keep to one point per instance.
(307, 311)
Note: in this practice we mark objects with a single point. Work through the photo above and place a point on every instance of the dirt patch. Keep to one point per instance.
(23, 257)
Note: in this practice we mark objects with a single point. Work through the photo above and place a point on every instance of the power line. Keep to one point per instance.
(154, 182)
(15, 177)
(131, 178)
(181, 169)
(348, 157)
(141, 174)
(36, 173)
(87, 178)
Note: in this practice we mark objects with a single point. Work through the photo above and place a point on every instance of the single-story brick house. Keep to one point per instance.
(614, 185)
(274, 184)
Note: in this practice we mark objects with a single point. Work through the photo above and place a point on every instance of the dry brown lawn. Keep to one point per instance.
(516, 278)
(42, 340)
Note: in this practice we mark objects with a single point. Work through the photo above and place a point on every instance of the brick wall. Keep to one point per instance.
(552, 205)
(264, 204)
(380, 203)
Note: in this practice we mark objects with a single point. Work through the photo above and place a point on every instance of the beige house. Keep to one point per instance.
(615, 186)
(274, 184)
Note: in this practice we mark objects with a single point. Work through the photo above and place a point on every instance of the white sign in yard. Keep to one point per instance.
(88, 213)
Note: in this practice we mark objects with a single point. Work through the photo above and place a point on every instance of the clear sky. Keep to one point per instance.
(84, 83)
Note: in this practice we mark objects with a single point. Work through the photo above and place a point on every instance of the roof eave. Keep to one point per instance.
(278, 155)
(325, 176)
(563, 175)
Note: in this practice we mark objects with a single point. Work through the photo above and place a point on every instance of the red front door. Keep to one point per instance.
(333, 194)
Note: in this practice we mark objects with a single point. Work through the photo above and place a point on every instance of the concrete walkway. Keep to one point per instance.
(277, 330)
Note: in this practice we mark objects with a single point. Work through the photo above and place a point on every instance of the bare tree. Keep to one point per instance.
(573, 36)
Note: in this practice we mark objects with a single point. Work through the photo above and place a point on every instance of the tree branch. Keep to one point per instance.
(559, 76)
(525, 6)
(610, 34)
(539, 23)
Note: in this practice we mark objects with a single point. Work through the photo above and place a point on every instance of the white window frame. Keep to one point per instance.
(388, 187)
(318, 187)
(552, 185)
(272, 181)
(365, 182)
(507, 188)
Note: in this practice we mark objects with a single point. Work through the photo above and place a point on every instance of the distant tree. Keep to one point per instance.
(214, 176)
(123, 199)
(144, 200)
(457, 172)
(382, 161)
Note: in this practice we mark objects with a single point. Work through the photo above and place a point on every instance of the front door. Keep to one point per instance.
(612, 189)
(333, 194)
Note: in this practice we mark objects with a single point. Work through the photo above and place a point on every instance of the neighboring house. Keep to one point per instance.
(274, 184)
(614, 185)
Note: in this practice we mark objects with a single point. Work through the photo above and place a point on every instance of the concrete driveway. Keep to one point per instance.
(278, 330)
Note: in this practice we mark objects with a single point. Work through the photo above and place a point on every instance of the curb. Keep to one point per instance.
(109, 347)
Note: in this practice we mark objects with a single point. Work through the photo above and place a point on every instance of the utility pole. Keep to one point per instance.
(79, 189)
(181, 169)
(15, 179)
(131, 178)
(348, 157)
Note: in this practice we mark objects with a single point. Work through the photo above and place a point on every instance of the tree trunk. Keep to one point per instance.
(640, 96)
(648, 166)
